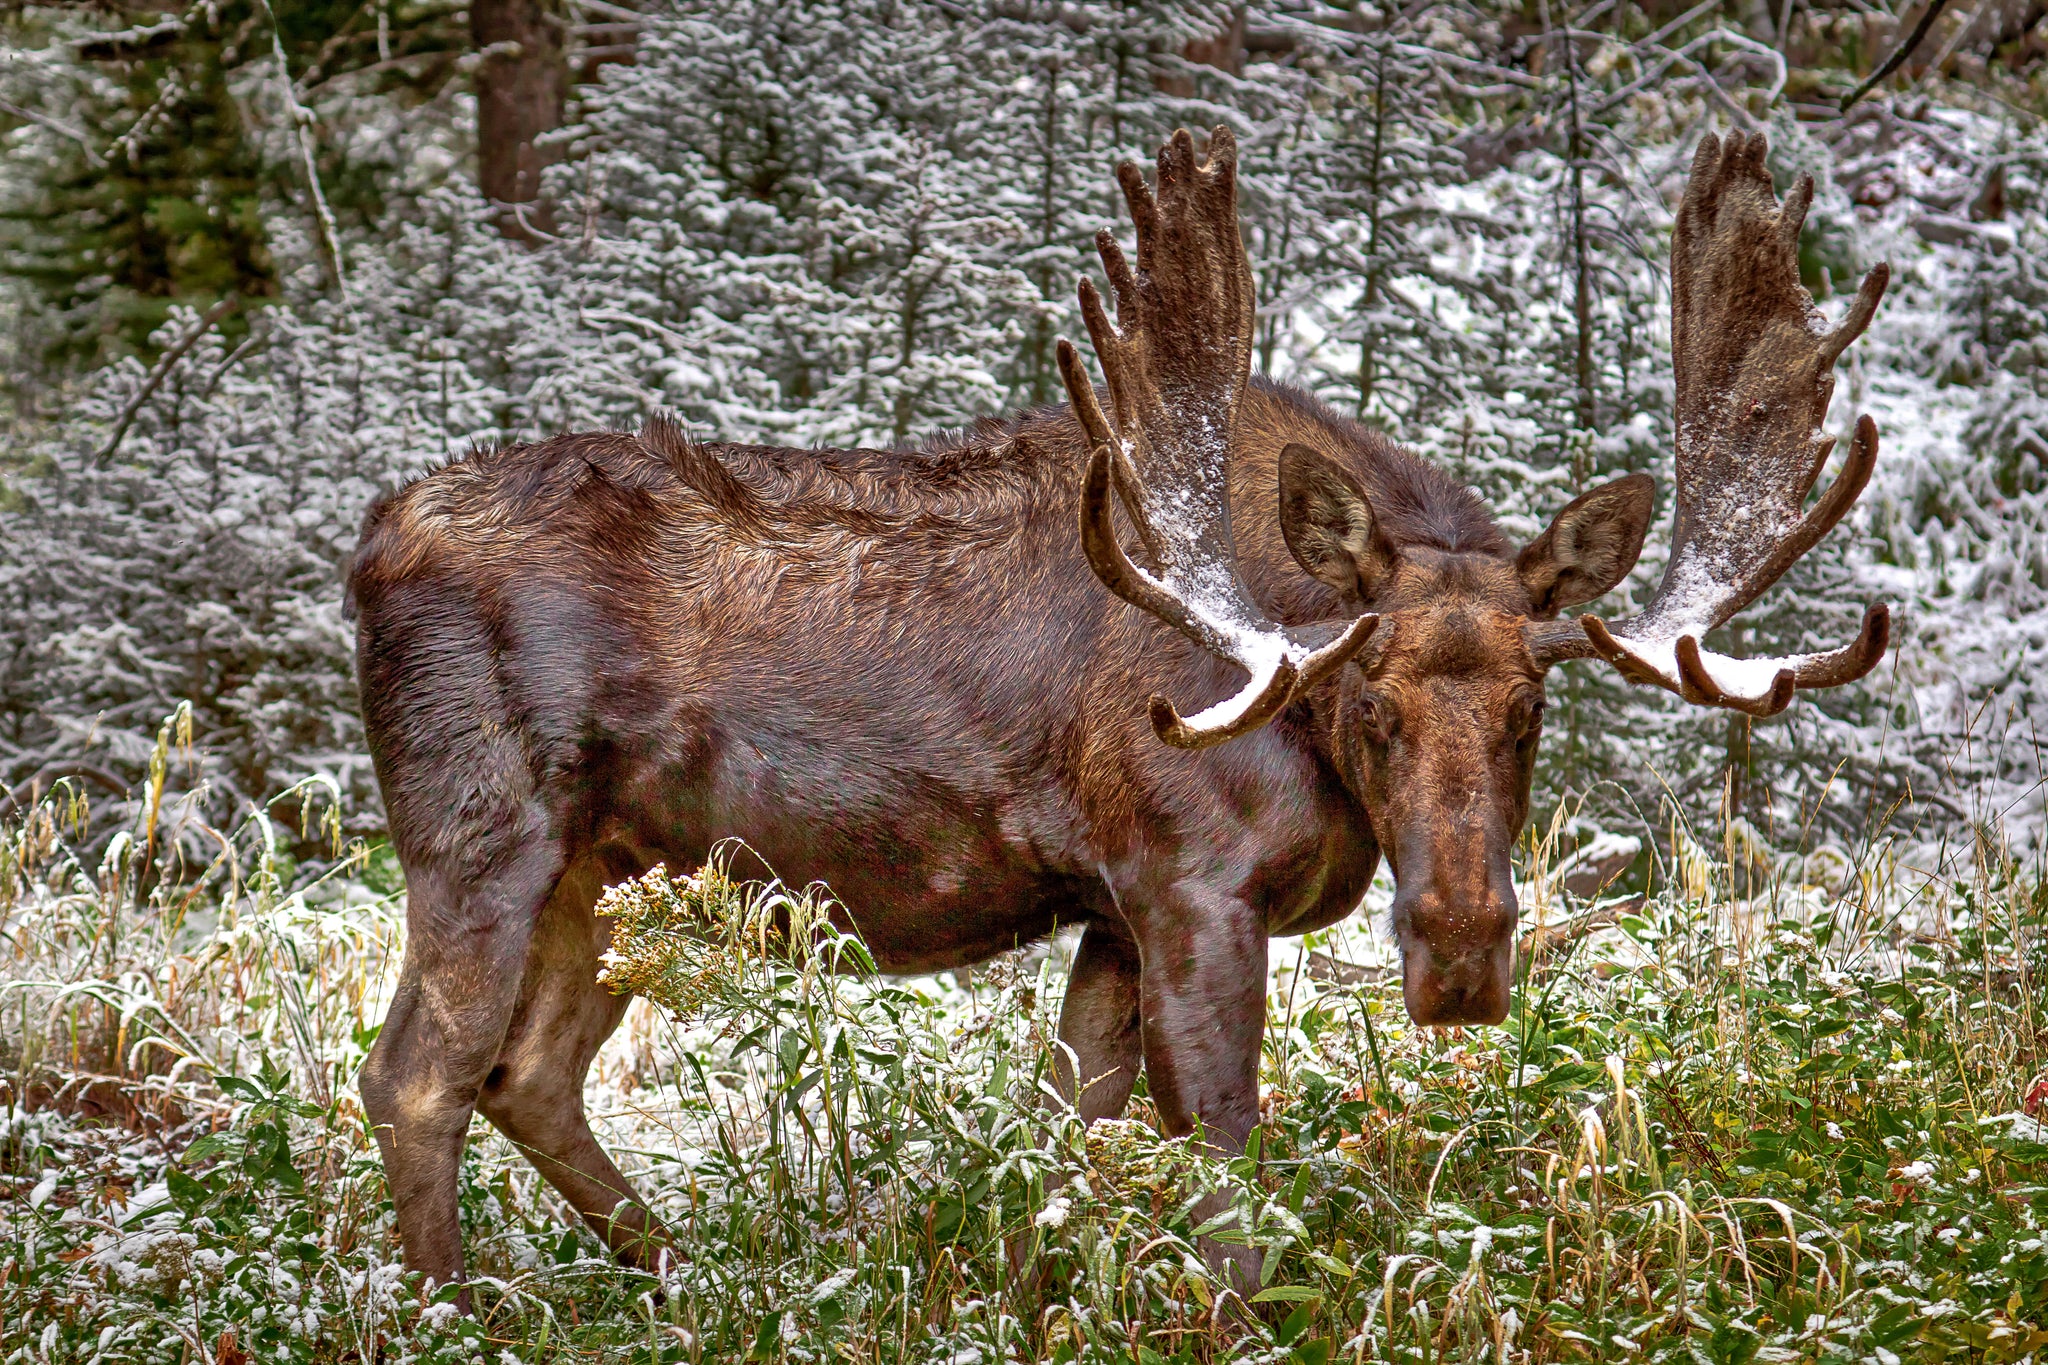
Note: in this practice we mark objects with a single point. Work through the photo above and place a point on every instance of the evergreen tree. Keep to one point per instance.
(152, 152)
(1375, 268)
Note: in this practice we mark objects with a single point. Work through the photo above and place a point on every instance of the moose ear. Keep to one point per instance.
(1590, 547)
(1329, 524)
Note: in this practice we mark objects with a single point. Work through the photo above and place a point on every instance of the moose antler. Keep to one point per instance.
(1754, 365)
(1177, 359)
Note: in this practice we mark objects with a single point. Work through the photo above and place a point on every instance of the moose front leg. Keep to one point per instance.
(1099, 1024)
(1202, 999)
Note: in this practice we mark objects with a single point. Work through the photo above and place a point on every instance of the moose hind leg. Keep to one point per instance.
(534, 1094)
(465, 954)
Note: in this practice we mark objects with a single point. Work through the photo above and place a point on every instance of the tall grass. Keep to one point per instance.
(1785, 1108)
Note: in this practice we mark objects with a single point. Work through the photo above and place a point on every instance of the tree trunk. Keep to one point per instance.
(1369, 303)
(1225, 51)
(1735, 740)
(520, 88)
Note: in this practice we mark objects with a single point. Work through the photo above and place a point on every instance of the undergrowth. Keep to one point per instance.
(1803, 1123)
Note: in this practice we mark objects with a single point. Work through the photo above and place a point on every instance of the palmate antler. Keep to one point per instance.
(1754, 365)
(1177, 360)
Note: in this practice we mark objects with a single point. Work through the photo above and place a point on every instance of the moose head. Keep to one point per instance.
(1430, 683)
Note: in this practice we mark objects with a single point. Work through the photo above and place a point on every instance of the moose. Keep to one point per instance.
(896, 672)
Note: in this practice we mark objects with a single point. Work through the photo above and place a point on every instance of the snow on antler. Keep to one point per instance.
(1177, 360)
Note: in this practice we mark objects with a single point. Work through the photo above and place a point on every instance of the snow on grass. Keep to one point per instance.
(1798, 1107)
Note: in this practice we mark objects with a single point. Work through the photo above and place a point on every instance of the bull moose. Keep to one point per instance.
(896, 672)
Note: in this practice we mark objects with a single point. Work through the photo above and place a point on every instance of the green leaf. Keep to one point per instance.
(2021, 1150)
(1565, 1076)
(790, 1051)
(1317, 1352)
(187, 1193)
(1330, 1265)
(238, 1087)
(766, 1339)
(1900, 1322)
(1288, 1293)
(1733, 1343)
(213, 1144)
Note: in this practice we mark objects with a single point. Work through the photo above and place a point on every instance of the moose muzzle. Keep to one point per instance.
(1454, 917)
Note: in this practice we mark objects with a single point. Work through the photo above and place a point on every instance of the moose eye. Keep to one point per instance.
(1377, 719)
(1528, 717)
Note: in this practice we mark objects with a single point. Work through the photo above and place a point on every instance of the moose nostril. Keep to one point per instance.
(1466, 982)
(1466, 1002)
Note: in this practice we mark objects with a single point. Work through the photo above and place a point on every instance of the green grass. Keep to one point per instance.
(1801, 1125)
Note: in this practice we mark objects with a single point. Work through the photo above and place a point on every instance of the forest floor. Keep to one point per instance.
(1808, 1121)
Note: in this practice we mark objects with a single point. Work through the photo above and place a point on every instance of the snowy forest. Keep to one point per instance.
(259, 263)
(1773, 1086)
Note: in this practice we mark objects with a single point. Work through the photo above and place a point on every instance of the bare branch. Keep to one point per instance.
(26, 794)
(61, 129)
(164, 365)
(302, 131)
(129, 42)
(1899, 55)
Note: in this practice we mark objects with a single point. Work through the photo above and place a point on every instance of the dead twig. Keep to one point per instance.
(157, 376)
(1685, 1133)
(1547, 941)
(1899, 54)
(61, 129)
(28, 793)
(1324, 967)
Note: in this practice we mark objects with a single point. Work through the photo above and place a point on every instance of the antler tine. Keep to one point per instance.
(1861, 310)
(1098, 531)
(1754, 365)
(1176, 360)
(1144, 217)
